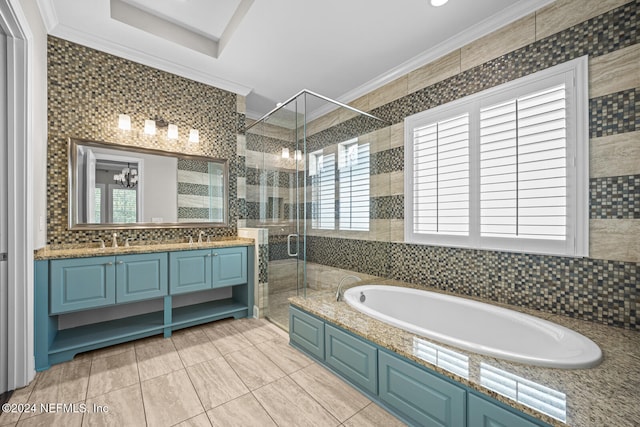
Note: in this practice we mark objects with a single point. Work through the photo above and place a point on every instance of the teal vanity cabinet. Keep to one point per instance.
(414, 393)
(64, 286)
(82, 283)
(207, 269)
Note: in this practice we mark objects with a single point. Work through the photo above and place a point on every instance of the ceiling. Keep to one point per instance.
(270, 50)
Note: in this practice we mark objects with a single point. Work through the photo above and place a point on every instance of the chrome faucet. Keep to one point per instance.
(202, 233)
(349, 276)
(191, 240)
(114, 242)
(102, 246)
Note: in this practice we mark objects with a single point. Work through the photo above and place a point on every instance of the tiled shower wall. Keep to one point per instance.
(87, 89)
(601, 288)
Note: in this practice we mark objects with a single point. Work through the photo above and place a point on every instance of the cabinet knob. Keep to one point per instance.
(120, 262)
(215, 254)
(208, 255)
(109, 263)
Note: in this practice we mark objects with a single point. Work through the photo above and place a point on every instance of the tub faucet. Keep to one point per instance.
(349, 276)
(114, 242)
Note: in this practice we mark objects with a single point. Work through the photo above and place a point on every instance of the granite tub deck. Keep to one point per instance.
(84, 250)
(608, 394)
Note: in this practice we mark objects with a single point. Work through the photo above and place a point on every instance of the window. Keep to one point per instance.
(353, 166)
(322, 172)
(504, 169)
(124, 205)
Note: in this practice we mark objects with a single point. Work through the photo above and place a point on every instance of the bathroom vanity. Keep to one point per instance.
(78, 280)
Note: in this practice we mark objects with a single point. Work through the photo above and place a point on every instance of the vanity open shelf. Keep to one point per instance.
(76, 285)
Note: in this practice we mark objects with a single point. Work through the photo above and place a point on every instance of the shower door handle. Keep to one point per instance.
(289, 244)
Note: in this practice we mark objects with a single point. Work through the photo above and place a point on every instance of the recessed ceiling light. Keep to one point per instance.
(437, 3)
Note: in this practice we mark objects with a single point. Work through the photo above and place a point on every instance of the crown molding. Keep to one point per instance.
(74, 35)
(481, 29)
(48, 13)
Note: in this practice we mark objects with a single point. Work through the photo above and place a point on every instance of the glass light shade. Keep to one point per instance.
(193, 135)
(124, 122)
(172, 132)
(285, 153)
(298, 155)
(150, 127)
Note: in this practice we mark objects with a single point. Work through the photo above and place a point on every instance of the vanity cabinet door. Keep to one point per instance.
(229, 266)
(81, 283)
(140, 277)
(189, 271)
(419, 395)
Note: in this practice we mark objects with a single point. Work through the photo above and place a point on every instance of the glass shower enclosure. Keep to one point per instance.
(298, 157)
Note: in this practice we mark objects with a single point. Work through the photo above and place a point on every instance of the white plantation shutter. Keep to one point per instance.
(520, 184)
(354, 180)
(323, 190)
(441, 177)
(523, 167)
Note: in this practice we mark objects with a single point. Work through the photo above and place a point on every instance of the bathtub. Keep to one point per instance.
(476, 326)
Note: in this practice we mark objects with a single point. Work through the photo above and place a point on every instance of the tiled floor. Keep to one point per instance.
(227, 373)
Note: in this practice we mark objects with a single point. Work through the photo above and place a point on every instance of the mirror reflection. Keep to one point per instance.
(124, 186)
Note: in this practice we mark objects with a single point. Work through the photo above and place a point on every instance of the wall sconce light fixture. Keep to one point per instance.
(172, 132)
(193, 136)
(298, 155)
(150, 127)
(124, 122)
(285, 153)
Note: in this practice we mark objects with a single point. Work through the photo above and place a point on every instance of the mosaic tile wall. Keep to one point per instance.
(597, 290)
(87, 89)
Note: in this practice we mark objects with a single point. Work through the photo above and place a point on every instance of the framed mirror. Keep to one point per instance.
(117, 186)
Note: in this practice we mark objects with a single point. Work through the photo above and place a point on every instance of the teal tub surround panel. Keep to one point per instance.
(79, 284)
(420, 395)
(414, 393)
(483, 413)
(352, 357)
(73, 284)
(140, 277)
(307, 333)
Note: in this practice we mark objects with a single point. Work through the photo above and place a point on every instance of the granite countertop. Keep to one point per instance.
(93, 250)
(607, 394)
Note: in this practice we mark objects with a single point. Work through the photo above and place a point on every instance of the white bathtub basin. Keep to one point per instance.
(475, 326)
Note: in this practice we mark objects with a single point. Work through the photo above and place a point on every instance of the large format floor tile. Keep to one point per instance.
(216, 382)
(156, 356)
(170, 399)
(253, 367)
(342, 400)
(225, 373)
(121, 407)
(113, 372)
(240, 412)
(289, 405)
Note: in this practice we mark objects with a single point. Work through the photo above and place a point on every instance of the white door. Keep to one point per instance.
(4, 308)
